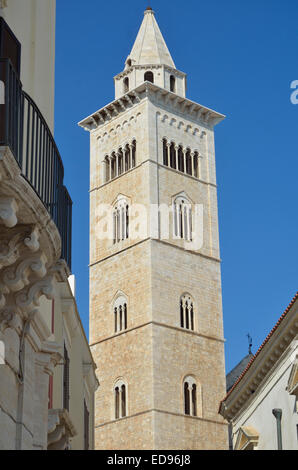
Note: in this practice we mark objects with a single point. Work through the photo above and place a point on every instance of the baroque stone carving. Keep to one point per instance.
(29, 298)
(8, 211)
(15, 279)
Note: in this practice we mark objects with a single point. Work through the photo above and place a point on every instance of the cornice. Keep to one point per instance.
(154, 93)
(160, 166)
(130, 69)
(183, 331)
(156, 410)
(157, 240)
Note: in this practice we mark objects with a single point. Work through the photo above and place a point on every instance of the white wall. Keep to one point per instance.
(258, 413)
(33, 23)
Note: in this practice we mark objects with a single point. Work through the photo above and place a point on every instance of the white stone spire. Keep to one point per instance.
(151, 61)
(150, 47)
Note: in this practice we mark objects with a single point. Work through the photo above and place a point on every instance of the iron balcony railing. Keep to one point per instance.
(24, 129)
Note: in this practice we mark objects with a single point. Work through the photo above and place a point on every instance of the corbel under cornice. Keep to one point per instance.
(150, 91)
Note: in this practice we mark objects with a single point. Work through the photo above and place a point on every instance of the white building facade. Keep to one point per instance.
(47, 374)
(262, 405)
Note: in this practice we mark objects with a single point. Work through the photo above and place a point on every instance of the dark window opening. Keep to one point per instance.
(165, 152)
(194, 400)
(172, 84)
(149, 77)
(186, 399)
(86, 427)
(66, 380)
(126, 85)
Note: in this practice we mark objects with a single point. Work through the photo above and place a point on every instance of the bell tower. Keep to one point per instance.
(156, 329)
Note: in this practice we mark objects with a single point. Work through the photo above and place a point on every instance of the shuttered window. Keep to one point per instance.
(86, 427)
(66, 380)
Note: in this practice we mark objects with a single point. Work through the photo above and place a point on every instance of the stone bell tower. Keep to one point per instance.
(156, 329)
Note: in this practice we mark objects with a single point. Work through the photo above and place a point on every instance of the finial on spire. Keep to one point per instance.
(249, 343)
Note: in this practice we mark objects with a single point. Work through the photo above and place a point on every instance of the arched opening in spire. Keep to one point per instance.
(126, 85)
(149, 77)
(172, 84)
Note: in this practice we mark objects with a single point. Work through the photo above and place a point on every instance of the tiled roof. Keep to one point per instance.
(235, 373)
(261, 347)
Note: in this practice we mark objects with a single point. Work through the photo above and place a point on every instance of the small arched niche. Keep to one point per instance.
(172, 84)
(126, 85)
(149, 77)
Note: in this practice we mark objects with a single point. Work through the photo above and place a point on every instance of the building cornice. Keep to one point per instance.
(262, 363)
(163, 325)
(160, 166)
(156, 410)
(152, 92)
(127, 71)
(170, 244)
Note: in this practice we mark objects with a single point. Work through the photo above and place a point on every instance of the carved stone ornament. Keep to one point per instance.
(8, 211)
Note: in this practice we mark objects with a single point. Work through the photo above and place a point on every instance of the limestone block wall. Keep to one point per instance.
(154, 355)
(128, 357)
(128, 272)
(129, 434)
(134, 186)
(193, 433)
(178, 354)
(128, 126)
(175, 272)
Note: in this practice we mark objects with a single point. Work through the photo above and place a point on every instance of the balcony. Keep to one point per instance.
(24, 130)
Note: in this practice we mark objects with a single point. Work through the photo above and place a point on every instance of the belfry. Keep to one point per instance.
(156, 329)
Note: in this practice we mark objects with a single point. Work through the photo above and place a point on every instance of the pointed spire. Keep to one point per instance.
(150, 47)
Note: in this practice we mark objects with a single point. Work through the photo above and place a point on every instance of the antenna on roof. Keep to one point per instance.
(249, 343)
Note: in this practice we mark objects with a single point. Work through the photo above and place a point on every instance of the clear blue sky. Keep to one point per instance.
(240, 57)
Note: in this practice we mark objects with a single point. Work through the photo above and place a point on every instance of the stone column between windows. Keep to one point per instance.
(117, 163)
(130, 155)
(199, 166)
(178, 227)
(192, 156)
(176, 156)
(184, 160)
(168, 154)
(110, 167)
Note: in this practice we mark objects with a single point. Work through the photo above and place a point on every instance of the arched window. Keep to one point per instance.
(187, 319)
(182, 218)
(165, 152)
(120, 221)
(196, 165)
(134, 153)
(172, 83)
(188, 163)
(120, 397)
(149, 77)
(180, 159)
(126, 85)
(190, 396)
(108, 168)
(120, 313)
(172, 155)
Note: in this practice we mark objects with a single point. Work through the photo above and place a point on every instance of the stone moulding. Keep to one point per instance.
(60, 429)
(150, 91)
(28, 208)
